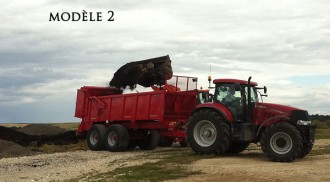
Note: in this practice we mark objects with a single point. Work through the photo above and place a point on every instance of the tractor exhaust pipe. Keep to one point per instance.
(248, 109)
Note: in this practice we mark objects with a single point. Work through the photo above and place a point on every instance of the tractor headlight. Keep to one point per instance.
(302, 122)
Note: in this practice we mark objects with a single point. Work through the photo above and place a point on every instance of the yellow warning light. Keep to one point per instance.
(209, 78)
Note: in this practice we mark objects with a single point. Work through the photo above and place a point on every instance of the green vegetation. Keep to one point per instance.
(68, 126)
(321, 124)
(322, 129)
(317, 117)
(322, 134)
(171, 165)
(50, 148)
(321, 151)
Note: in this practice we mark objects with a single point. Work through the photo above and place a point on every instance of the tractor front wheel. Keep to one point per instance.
(307, 148)
(281, 142)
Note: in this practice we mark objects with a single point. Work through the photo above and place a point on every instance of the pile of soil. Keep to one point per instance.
(13, 141)
(41, 129)
(11, 149)
(36, 139)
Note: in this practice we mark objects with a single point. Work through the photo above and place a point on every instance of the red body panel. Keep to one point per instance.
(161, 110)
(226, 80)
(219, 107)
(263, 114)
(266, 113)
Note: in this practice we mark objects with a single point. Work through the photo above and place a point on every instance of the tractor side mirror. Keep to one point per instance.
(265, 89)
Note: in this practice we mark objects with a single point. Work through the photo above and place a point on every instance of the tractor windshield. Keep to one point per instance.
(234, 99)
(226, 94)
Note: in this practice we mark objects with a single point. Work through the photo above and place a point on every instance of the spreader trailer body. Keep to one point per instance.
(120, 121)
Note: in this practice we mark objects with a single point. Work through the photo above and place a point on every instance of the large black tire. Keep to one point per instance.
(281, 142)
(95, 137)
(237, 147)
(208, 132)
(184, 143)
(166, 141)
(150, 141)
(116, 138)
(132, 144)
(307, 148)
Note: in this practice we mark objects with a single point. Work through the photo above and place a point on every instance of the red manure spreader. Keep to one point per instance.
(118, 121)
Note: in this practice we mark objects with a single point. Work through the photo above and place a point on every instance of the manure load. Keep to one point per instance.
(149, 72)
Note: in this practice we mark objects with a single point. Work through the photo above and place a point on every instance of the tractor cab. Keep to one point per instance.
(234, 95)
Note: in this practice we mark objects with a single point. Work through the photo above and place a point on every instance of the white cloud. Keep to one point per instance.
(272, 41)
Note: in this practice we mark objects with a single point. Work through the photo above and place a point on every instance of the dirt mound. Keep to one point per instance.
(24, 139)
(11, 149)
(154, 71)
(41, 129)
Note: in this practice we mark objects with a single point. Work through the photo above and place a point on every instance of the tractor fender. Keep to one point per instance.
(223, 110)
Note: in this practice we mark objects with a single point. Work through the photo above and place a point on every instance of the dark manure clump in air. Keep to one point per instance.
(154, 71)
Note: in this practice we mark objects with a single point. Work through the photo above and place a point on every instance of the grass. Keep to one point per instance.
(321, 124)
(68, 126)
(321, 151)
(81, 145)
(172, 165)
(322, 134)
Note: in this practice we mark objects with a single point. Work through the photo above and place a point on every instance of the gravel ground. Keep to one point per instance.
(68, 165)
(251, 165)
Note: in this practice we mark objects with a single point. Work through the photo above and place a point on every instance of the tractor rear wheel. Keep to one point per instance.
(281, 142)
(117, 138)
(150, 141)
(237, 147)
(95, 137)
(208, 132)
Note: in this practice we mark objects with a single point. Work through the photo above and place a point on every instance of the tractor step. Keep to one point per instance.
(243, 132)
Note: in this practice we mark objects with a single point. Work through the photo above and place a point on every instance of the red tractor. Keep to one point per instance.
(236, 118)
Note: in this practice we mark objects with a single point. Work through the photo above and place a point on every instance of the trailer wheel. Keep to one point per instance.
(281, 142)
(117, 138)
(237, 147)
(208, 132)
(150, 141)
(95, 137)
(132, 144)
(166, 141)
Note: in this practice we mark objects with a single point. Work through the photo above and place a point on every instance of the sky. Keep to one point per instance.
(282, 44)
